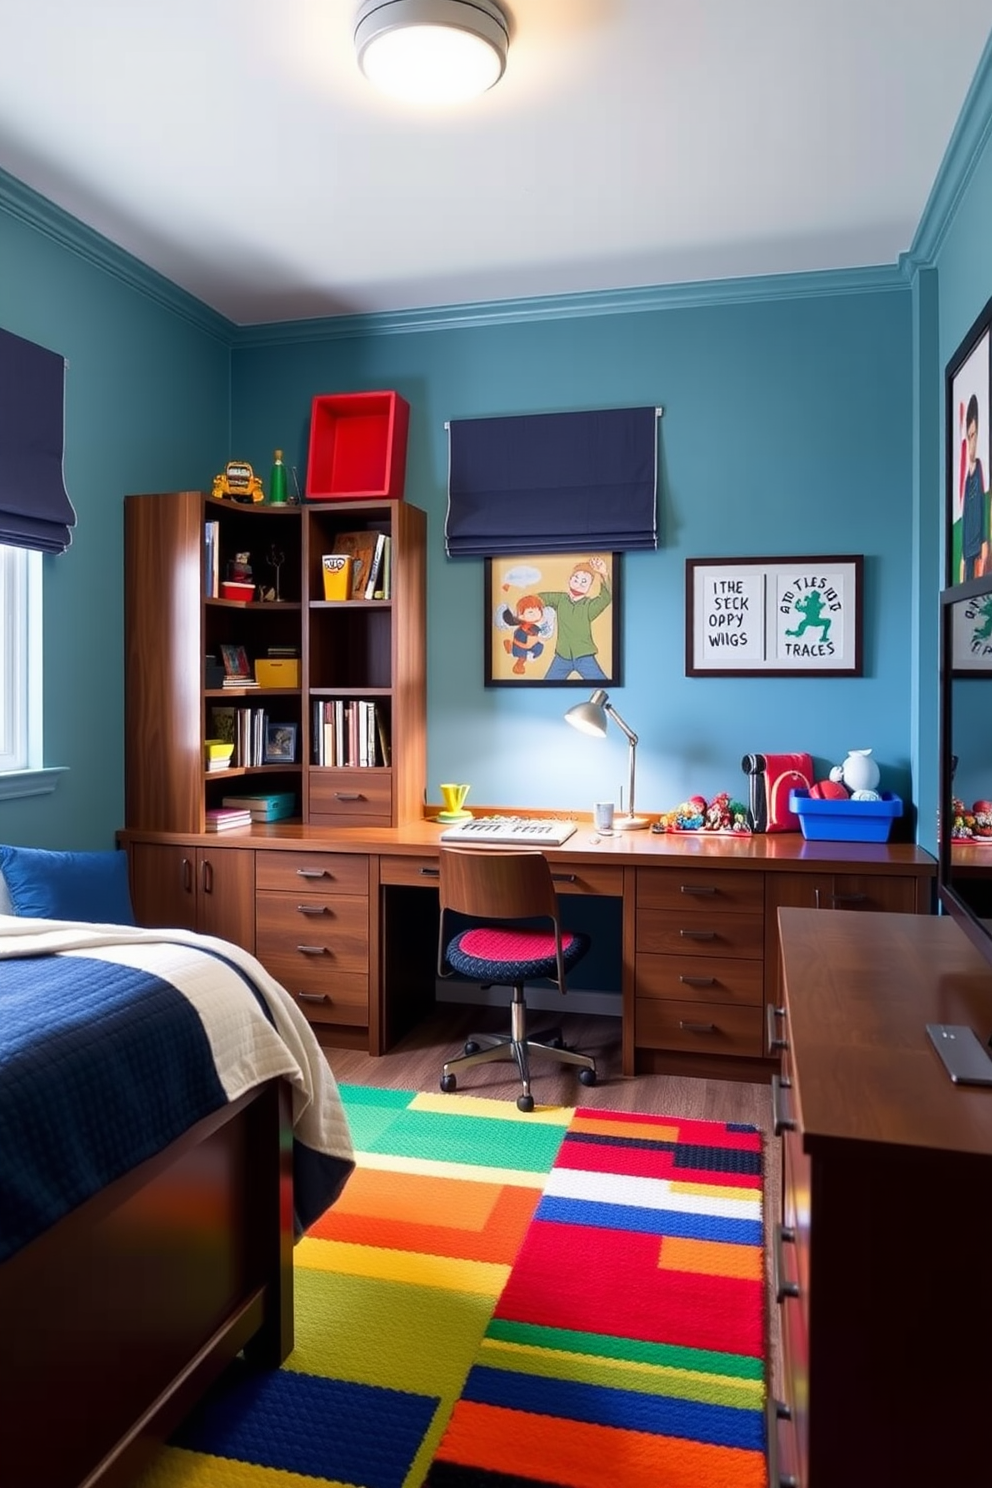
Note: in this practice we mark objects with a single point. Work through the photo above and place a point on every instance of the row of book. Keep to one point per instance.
(257, 740)
(349, 732)
(211, 559)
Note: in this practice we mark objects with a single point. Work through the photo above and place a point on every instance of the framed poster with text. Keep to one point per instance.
(774, 617)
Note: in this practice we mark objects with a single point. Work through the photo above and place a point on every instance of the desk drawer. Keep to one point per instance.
(586, 878)
(688, 888)
(701, 979)
(413, 872)
(325, 995)
(312, 872)
(351, 798)
(311, 929)
(682, 933)
(569, 878)
(698, 1027)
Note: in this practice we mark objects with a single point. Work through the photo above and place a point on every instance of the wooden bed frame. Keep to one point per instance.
(115, 1321)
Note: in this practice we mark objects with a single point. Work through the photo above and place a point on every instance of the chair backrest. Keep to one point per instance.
(490, 884)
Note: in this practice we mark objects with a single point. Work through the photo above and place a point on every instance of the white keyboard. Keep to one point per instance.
(510, 831)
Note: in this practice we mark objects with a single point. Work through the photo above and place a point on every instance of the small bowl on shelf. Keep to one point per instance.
(235, 589)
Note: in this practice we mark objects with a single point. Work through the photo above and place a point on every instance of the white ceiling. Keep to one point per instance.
(233, 145)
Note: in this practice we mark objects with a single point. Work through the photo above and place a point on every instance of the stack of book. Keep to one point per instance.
(226, 819)
(220, 753)
(264, 805)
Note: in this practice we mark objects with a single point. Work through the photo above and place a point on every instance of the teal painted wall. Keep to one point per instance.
(147, 408)
(787, 430)
(801, 416)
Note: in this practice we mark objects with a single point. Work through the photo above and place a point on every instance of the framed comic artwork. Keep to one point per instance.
(552, 620)
(967, 452)
(774, 617)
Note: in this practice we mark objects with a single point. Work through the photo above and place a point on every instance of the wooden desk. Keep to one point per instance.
(887, 1313)
(329, 912)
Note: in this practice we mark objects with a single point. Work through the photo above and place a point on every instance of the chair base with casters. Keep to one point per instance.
(488, 884)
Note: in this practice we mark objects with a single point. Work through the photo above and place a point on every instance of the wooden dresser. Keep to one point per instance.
(883, 1257)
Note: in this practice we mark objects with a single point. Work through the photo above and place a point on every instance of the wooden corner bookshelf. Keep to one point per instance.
(367, 656)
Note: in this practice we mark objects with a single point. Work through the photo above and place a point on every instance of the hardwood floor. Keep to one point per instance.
(415, 1064)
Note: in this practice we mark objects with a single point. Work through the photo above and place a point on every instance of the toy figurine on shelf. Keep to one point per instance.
(239, 481)
(239, 568)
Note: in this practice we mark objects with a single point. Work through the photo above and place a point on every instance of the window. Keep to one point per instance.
(20, 682)
(22, 771)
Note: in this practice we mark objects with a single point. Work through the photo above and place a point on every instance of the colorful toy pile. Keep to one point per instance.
(722, 814)
(976, 822)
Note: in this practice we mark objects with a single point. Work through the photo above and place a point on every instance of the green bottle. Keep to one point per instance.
(277, 481)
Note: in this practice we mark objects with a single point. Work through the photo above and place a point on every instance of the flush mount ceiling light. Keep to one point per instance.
(431, 51)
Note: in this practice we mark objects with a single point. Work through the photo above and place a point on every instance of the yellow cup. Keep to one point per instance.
(454, 797)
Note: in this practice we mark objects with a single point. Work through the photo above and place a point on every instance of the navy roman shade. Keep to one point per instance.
(35, 511)
(552, 483)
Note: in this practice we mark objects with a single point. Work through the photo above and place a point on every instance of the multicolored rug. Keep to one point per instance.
(509, 1274)
(627, 1346)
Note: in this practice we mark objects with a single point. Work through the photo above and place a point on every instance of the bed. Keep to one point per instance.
(168, 1126)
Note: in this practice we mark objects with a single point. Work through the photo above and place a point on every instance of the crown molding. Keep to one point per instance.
(36, 211)
(871, 280)
(44, 216)
(964, 149)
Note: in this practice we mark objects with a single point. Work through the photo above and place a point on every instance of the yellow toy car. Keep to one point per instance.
(238, 481)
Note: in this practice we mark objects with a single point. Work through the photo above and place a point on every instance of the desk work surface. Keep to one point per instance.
(785, 850)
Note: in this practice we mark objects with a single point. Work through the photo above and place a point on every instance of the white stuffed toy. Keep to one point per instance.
(860, 774)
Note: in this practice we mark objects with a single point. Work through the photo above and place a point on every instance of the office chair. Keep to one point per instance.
(502, 890)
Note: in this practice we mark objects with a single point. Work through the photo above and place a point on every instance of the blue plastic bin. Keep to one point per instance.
(845, 821)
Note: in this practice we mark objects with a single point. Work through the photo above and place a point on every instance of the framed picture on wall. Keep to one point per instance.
(552, 620)
(970, 621)
(774, 617)
(967, 446)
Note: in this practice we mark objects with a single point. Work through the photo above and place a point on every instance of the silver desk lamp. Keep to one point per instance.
(591, 718)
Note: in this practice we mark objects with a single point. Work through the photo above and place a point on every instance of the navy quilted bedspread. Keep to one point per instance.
(101, 1066)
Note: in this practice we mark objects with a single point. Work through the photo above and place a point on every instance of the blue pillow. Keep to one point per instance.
(47, 885)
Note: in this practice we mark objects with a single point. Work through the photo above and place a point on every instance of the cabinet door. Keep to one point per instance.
(195, 888)
(225, 894)
(163, 884)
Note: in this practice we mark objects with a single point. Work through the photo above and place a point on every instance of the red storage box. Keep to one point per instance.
(357, 446)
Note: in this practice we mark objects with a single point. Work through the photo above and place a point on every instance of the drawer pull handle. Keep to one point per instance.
(187, 875)
(313, 997)
(688, 1027)
(698, 934)
(780, 1121)
(783, 1288)
(313, 909)
(306, 950)
(698, 981)
(312, 873)
(772, 1013)
(696, 889)
(848, 898)
(430, 873)
(777, 1410)
(348, 796)
(564, 877)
